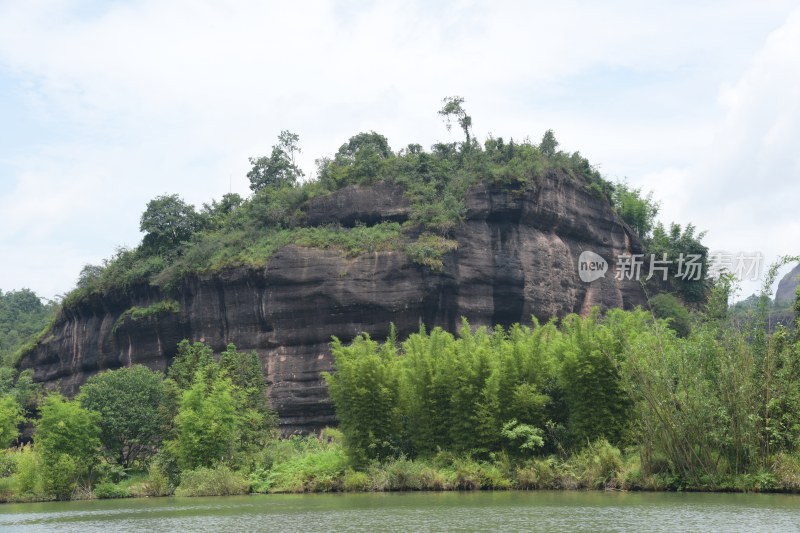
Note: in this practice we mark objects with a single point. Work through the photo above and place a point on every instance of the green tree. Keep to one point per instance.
(591, 359)
(358, 161)
(129, 402)
(680, 246)
(23, 314)
(67, 440)
(453, 110)
(797, 310)
(167, 222)
(64, 427)
(89, 276)
(290, 143)
(218, 213)
(364, 389)
(426, 388)
(549, 145)
(187, 361)
(244, 370)
(279, 168)
(524, 437)
(250, 388)
(208, 423)
(10, 419)
(20, 386)
(638, 211)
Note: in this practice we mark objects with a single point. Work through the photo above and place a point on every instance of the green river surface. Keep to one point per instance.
(418, 511)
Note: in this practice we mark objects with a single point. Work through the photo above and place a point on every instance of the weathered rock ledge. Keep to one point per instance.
(516, 258)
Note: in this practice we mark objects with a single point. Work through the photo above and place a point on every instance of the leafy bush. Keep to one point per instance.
(8, 463)
(428, 250)
(638, 211)
(109, 490)
(157, 482)
(10, 418)
(355, 481)
(786, 469)
(60, 476)
(66, 428)
(22, 317)
(668, 307)
(600, 465)
(537, 474)
(217, 481)
(208, 422)
(320, 471)
(28, 480)
(158, 309)
(6, 489)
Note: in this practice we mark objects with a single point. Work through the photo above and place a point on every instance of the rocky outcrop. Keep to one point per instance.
(517, 257)
(786, 293)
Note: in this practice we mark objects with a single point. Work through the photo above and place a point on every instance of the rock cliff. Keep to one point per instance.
(785, 294)
(517, 257)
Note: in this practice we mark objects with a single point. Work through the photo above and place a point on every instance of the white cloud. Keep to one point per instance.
(745, 189)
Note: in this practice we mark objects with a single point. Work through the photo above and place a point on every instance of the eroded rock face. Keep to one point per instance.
(517, 258)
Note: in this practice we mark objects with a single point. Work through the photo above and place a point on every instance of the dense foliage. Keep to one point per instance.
(675, 259)
(209, 415)
(638, 211)
(700, 407)
(22, 315)
(132, 419)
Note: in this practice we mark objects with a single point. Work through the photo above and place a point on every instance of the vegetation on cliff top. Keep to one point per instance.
(180, 241)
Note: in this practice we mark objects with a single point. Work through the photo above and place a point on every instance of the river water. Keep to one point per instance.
(420, 511)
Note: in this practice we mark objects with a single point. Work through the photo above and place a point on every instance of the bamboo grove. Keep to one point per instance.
(721, 402)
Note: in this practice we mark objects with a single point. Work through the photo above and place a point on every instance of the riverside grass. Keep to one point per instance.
(314, 464)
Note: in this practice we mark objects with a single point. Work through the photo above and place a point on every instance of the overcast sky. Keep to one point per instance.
(104, 105)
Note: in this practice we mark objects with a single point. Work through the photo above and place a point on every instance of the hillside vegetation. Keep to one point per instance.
(180, 240)
(23, 315)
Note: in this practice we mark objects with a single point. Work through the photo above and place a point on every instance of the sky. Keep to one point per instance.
(105, 105)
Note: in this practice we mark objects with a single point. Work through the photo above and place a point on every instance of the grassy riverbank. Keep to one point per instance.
(317, 465)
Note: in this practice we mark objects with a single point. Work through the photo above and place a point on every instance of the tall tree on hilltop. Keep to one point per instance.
(279, 169)
(453, 110)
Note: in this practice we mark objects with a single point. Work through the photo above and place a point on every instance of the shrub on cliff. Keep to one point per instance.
(637, 210)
